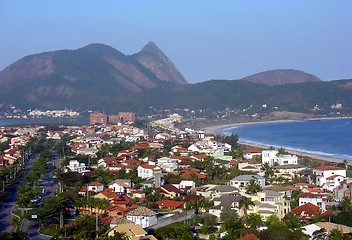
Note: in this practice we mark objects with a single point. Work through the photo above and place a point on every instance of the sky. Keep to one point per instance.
(225, 39)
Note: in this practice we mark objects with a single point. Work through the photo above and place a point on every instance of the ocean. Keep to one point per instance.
(331, 138)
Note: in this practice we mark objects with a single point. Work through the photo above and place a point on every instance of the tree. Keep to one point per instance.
(292, 221)
(272, 221)
(254, 220)
(208, 222)
(282, 151)
(268, 171)
(15, 222)
(335, 234)
(253, 187)
(228, 214)
(244, 204)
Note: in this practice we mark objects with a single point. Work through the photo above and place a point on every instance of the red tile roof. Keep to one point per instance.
(307, 208)
(333, 177)
(170, 188)
(249, 237)
(327, 168)
(312, 195)
(188, 175)
(251, 150)
(147, 166)
(170, 204)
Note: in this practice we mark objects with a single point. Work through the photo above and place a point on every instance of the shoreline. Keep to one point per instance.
(299, 154)
(217, 130)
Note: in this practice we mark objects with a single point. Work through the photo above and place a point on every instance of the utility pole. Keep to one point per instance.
(61, 220)
(96, 224)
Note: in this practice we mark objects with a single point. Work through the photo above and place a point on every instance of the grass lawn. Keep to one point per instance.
(51, 230)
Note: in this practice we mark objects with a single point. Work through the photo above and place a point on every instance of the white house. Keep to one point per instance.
(329, 177)
(142, 216)
(318, 199)
(120, 185)
(167, 164)
(272, 157)
(95, 187)
(88, 151)
(242, 181)
(250, 153)
(75, 166)
(210, 148)
(185, 184)
(145, 171)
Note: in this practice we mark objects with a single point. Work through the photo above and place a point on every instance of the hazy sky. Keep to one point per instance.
(204, 39)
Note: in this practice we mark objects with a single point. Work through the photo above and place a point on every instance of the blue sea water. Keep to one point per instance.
(331, 138)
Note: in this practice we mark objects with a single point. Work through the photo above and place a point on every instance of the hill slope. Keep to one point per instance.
(281, 76)
(96, 72)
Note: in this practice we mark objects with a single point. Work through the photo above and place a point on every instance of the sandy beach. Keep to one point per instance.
(217, 130)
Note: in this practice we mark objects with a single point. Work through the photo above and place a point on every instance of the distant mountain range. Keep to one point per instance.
(99, 77)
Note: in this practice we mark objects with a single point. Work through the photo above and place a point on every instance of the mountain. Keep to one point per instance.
(101, 78)
(152, 58)
(281, 76)
(96, 72)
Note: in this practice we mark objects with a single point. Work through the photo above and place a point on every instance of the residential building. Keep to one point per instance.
(96, 187)
(329, 177)
(145, 171)
(122, 117)
(142, 216)
(289, 171)
(314, 230)
(308, 211)
(250, 153)
(269, 203)
(75, 166)
(242, 181)
(167, 164)
(210, 148)
(131, 231)
(231, 201)
(272, 157)
(120, 185)
(318, 199)
(98, 118)
(185, 184)
(170, 191)
(344, 190)
(170, 204)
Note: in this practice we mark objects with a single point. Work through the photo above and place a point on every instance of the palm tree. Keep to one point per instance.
(80, 203)
(335, 234)
(244, 204)
(253, 187)
(254, 220)
(269, 172)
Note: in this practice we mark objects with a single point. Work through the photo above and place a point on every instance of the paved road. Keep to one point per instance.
(30, 227)
(10, 202)
(178, 217)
